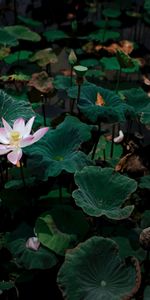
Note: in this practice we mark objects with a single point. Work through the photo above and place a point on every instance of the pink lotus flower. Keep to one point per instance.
(14, 139)
(33, 243)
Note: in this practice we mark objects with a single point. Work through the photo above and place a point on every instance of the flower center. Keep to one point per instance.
(15, 137)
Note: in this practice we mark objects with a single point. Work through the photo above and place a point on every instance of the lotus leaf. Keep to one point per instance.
(111, 12)
(54, 35)
(29, 259)
(147, 292)
(17, 56)
(11, 109)
(103, 192)
(112, 64)
(108, 24)
(59, 150)
(113, 109)
(44, 57)
(7, 39)
(21, 32)
(42, 82)
(63, 82)
(94, 270)
(103, 35)
(145, 220)
(29, 21)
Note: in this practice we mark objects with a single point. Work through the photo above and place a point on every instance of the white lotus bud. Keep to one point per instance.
(119, 138)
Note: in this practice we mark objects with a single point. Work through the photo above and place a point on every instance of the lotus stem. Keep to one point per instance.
(97, 140)
(118, 79)
(22, 174)
(78, 98)
(71, 76)
(112, 140)
(44, 100)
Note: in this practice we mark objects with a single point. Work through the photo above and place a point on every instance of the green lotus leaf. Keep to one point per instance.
(63, 82)
(112, 64)
(133, 14)
(103, 151)
(7, 39)
(6, 285)
(147, 5)
(29, 21)
(139, 100)
(147, 292)
(54, 35)
(144, 182)
(111, 12)
(17, 56)
(145, 220)
(4, 52)
(21, 32)
(113, 109)
(95, 73)
(59, 149)
(15, 77)
(44, 57)
(103, 35)
(11, 109)
(108, 23)
(89, 62)
(94, 270)
(102, 192)
(30, 259)
(126, 250)
(59, 228)
(51, 236)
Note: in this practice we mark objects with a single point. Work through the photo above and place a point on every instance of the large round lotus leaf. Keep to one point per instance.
(18, 56)
(7, 39)
(16, 77)
(112, 64)
(95, 271)
(113, 109)
(29, 21)
(139, 100)
(111, 12)
(30, 259)
(103, 192)
(103, 35)
(11, 109)
(44, 57)
(91, 62)
(54, 35)
(108, 23)
(59, 149)
(41, 82)
(23, 33)
(63, 82)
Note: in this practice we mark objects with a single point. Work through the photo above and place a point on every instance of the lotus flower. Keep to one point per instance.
(33, 243)
(13, 139)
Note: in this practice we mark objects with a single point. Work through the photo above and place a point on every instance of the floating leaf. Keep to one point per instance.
(54, 35)
(44, 57)
(89, 62)
(42, 82)
(23, 33)
(29, 21)
(63, 82)
(111, 12)
(145, 182)
(59, 149)
(111, 63)
(18, 56)
(29, 259)
(113, 110)
(7, 39)
(95, 73)
(94, 270)
(103, 35)
(15, 77)
(11, 109)
(108, 23)
(124, 60)
(103, 192)
(6, 285)
(126, 250)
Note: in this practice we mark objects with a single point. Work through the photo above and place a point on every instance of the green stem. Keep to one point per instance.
(22, 174)
(112, 141)
(71, 77)
(118, 79)
(79, 91)
(44, 100)
(97, 140)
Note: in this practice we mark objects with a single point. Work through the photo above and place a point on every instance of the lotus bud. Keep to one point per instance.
(72, 58)
(119, 138)
(33, 243)
(145, 239)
